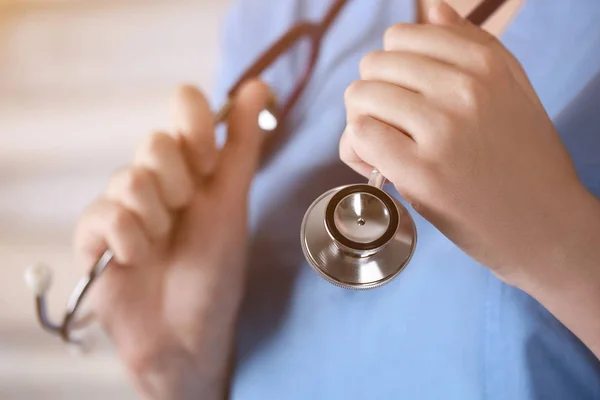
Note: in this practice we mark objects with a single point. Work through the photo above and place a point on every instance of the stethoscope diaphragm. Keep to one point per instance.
(358, 236)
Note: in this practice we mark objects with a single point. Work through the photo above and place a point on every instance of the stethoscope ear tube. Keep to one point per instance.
(39, 278)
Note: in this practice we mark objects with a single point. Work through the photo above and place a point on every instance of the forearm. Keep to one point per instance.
(200, 364)
(175, 378)
(568, 282)
(174, 374)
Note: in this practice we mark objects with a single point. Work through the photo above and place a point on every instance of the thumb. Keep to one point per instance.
(241, 153)
(442, 14)
(193, 123)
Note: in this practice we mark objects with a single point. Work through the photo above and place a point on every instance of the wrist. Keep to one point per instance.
(568, 285)
(175, 374)
(573, 253)
(568, 269)
(193, 360)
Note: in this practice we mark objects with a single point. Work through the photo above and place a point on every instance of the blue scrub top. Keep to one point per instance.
(445, 328)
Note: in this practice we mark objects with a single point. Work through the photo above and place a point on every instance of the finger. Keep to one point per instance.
(404, 110)
(434, 41)
(367, 141)
(349, 156)
(414, 72)
(162, 155)
(107, 224)
(193, 121)
(136, 189)
(241, 153)
(444, 15)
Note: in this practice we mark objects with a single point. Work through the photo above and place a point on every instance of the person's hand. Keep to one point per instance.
(175, 220)
(448, 115)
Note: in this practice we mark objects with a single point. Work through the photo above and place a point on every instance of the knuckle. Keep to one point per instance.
(470, 91)
(181, 197)
(352, 91)
(368, 63)
(186, 93)
(185, 90)
(119, 220)
(359, 127)
(163, 222)
(85, 240)
(486, 60)
(391, 35)
(344, 148)
(129, 253)
(135, 180)
(156, 144)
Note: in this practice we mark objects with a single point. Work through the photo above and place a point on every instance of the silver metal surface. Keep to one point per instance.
(376, 179)
(348, 269)
(99, 267)
(361, 217)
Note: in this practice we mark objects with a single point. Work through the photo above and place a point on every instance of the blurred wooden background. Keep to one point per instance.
(81, 81)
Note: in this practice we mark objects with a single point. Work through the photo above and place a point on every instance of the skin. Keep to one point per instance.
(444, 112)
(448, 115)
(172, 218)
(495, 25)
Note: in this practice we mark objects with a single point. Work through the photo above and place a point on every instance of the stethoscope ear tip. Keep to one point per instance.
(267, 121)
(81, 345)
(38, 278)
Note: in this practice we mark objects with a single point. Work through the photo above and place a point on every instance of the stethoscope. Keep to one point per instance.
(355, 236)
(39, 277)
(358, 236)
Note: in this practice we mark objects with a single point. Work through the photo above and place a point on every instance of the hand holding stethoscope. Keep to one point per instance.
(449, 116)
(439, 112)
(356, 237)
(175, 223)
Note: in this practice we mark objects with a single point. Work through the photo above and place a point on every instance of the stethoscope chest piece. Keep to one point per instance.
(358, 236)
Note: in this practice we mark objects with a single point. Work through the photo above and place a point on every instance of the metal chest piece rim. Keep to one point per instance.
(358, 236)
